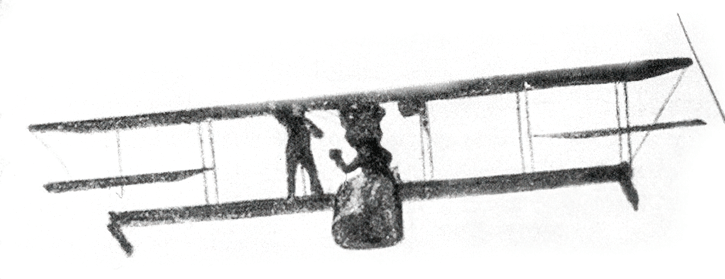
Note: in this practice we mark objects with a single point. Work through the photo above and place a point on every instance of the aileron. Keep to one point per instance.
(619, 131)
(100, 183)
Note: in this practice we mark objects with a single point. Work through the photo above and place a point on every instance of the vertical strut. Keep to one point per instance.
(626, 115)
(625, 180)
(213, 161)
(422, 149)
(426, 143)
(625, 100)
(528, 128)
(206, 141)
(619, 122)
(525, 146)
(203, 163)
(521, 138)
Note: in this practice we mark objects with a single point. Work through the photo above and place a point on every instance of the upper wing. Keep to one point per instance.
(623, 72)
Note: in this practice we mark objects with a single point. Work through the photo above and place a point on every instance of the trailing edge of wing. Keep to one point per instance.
(623, 72)
(100, 183)
(618, 131)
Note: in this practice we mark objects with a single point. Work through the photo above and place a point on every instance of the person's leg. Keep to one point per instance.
(291, 172)
(309, 164)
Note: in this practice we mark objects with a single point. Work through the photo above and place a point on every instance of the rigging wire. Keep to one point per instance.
(661, 110)
(714, 97)
(52, 152)
(118, 153)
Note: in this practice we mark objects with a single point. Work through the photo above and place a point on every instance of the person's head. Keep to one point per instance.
(360, 111)
(282, 112)
(410, 107)
(298, 110)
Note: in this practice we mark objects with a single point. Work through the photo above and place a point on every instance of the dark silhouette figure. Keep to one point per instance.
(362, 131)
(368, 209)
(298, 146)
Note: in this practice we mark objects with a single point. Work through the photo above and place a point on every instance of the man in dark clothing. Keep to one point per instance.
(367, 209)
(361, 122)
(371, 158)
(298, 146)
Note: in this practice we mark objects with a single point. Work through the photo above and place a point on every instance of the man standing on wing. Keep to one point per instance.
(298, 149)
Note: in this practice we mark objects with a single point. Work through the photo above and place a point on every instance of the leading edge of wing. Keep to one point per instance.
(622, 72)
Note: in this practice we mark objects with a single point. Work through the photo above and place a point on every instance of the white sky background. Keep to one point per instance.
(75, 60)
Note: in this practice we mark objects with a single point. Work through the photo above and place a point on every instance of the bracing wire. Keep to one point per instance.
(118, 153)
(714, 97)
(54, 154)
(661, 110)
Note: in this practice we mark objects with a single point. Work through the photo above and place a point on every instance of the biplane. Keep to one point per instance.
(411, 101)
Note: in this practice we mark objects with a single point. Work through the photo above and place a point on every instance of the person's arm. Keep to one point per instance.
(336, 155)
(316, 132)
(352, 166)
